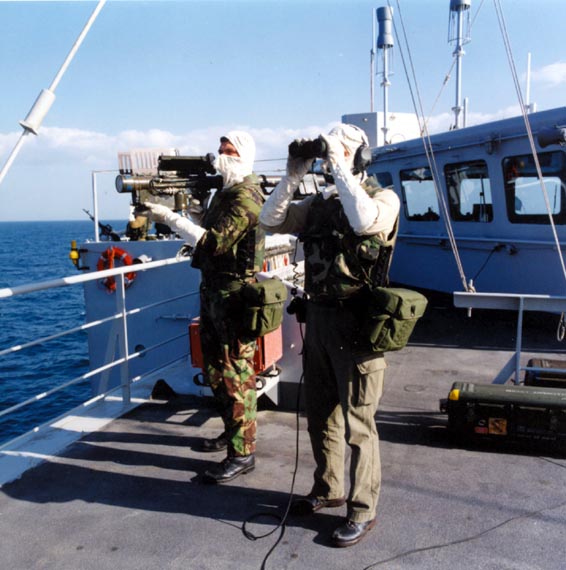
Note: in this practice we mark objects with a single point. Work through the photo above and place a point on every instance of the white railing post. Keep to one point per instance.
(95, 206)
(95, 212)
(119, 331)
(123, 338)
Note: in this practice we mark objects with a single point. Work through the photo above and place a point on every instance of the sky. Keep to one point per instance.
(181, 74)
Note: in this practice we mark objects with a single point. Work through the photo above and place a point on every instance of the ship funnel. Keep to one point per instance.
(385, 37)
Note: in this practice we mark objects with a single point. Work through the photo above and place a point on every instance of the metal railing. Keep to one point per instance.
(518, 303)
(121, 315)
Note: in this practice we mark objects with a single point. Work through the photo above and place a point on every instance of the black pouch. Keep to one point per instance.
(298, 307)
(263, 306)
(391, 317)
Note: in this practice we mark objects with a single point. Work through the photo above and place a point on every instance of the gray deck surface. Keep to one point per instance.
(129, 496)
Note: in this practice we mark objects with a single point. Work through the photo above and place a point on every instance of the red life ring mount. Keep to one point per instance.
(107, 261)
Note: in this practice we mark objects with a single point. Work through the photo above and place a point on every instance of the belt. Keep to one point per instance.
(348, 303)
(220, 279)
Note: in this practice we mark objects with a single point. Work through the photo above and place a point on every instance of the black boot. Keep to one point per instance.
(309, 504)
(229, 468)
(351, 532)
(219, 443)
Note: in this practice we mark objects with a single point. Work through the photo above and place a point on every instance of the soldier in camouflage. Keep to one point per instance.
(347, 232)
(228, 249)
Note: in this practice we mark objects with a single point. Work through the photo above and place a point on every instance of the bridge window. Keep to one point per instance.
(419, 196)
(524, 195)
(469, 192)
(384, 179)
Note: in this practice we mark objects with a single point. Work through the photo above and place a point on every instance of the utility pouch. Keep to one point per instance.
(263, 306)
(298, 307)
(391, 317)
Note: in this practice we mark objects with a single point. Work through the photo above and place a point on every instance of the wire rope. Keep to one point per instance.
(428, 147)
(509, 51)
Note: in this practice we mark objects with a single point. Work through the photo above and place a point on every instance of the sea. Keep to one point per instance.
(32, 252)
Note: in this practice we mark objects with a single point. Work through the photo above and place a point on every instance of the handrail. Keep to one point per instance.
(514, 302)
(487, 240)
(91, 401)
(122, 315)
(92, 324)
(87, 375)
(94, 276)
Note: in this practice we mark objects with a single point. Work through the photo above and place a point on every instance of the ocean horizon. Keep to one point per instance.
(31, 252)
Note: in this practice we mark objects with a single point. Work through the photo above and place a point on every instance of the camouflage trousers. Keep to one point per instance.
(228, 365)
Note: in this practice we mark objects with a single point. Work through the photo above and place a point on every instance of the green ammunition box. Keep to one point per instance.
(507, 412)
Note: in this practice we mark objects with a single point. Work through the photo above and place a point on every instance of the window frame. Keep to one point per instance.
(485, 209)
(510, 189)
(430, 215)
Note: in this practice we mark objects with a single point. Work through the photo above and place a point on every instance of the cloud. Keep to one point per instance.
(51, 177)
(97, 150)
(7, 143)
(443, 122)
(550, 75)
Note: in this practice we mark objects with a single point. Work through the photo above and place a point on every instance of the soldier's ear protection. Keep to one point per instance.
(362, 159)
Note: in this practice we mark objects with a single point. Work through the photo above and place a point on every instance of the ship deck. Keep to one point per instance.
(129, 496)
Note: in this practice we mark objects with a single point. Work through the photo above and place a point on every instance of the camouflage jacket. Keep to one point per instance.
(338, 262)
(233, 245)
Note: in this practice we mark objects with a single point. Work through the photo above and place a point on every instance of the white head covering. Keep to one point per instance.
(235, 168)
(245, 146)
(350, 135)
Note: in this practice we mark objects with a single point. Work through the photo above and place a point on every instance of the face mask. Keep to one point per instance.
(231, 168)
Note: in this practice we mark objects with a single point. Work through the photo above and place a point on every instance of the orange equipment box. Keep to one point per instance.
(269, 348)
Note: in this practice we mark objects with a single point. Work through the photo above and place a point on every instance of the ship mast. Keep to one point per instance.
(459, 11)
(385, 43)
(372, 64)
(40, 108)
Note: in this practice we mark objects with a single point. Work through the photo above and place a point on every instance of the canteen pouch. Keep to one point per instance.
(263, 306)
(391, 317)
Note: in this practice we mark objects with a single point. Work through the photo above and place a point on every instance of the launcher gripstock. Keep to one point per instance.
(177, 176)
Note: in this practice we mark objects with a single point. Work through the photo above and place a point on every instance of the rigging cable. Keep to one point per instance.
(561, 329)
(503, 27)
(429, 150)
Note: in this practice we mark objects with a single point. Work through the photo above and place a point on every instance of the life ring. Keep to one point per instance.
(106, 261)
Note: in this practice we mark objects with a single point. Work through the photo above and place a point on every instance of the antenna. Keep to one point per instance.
(372, 63)
(531, 107)
(37, 113)
(459, 10)
(385, 43)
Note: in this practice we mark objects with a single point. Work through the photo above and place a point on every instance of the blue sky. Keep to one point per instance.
(180, 74)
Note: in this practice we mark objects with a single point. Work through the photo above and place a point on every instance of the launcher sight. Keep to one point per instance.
(177, 176)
